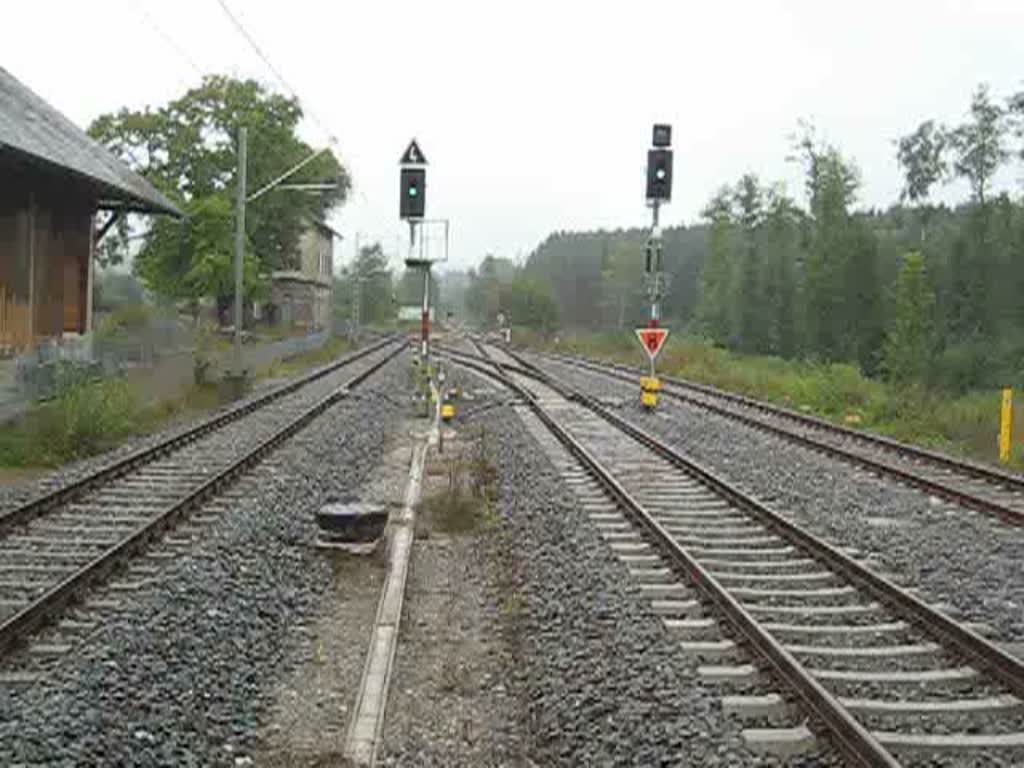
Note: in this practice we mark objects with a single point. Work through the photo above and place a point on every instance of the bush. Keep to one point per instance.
(86, 418)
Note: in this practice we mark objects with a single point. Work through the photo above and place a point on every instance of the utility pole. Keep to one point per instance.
(240, 245)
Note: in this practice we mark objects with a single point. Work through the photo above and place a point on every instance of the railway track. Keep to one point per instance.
(58, 546)
(975, 486)
(890, 680)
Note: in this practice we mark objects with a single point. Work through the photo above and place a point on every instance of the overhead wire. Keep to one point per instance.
(258, 50)
(168, 39)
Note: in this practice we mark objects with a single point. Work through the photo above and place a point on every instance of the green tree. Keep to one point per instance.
(715, 306)
(910, 341)
(528, 302)
(186, 148)
(781, 278)
(921, 156)
(979, 145)
(752, 328)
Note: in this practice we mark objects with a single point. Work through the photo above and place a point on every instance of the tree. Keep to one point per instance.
(979, 145)
(198, 257)
(529, 303)
(186, 148)
(751, 316)
(921, 156)
(910, 341)
(715, 307)
(781, 279)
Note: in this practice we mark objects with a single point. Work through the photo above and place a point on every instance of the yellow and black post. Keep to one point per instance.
(1006, 427)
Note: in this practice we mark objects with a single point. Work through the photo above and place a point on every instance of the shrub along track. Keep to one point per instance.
(885, 675)
(55, 547)
(975, 486)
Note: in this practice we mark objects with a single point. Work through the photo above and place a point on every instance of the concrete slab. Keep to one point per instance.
(779, 742)
(770, 706)
(710, 650)
(743, 674)
(367, 720)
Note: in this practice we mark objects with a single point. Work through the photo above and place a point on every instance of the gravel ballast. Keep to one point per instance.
(601, 681)
(185, 671)
(951, 555)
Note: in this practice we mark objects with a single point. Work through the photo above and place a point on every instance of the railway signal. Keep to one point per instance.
(412, 203)
(659, 190)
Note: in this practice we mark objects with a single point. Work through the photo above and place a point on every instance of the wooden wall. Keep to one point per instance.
(44, 263)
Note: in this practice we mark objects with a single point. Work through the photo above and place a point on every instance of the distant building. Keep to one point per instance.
(53, 181)
(301, 298)
(414, 313)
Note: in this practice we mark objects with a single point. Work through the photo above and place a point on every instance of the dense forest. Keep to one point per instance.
(919, 293)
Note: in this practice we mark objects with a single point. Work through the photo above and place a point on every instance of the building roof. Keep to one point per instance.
(322, 224)
(33, 129)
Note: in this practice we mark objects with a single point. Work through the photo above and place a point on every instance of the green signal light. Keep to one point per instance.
(660, 173)
(413, 192)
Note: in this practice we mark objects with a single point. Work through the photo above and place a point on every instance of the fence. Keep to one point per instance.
(264, 355)
(159, 356)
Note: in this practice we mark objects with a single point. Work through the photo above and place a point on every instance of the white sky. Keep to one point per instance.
(536, 116)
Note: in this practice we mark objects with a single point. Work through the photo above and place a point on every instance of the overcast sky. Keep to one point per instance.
(535, 116)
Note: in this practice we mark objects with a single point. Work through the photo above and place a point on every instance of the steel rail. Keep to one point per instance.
(950, 634)
(38, 612)
(1006, 668)
(44, 502)
(852, 739)
(964, 498)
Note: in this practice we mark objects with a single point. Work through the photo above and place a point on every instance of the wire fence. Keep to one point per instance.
(153, 348)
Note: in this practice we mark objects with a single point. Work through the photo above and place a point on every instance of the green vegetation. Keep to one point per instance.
(86, 418)
(366, 288)
(467, 501)
(925, 296)
(499, 287)
(89, 417)
(964, 424)
(332, 349)
(186, 148)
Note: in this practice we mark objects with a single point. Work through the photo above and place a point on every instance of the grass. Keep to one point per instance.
(466, 503)
(90, 417)
(966, 424)
(332, 349)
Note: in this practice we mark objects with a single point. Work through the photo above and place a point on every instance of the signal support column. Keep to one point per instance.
(412, 206)
(659, 190)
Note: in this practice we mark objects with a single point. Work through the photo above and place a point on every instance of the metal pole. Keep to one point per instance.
(357, 299)
(425, 328)
(240, 245)
(656, 270)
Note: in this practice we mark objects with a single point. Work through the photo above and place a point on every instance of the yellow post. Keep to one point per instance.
(1006, 426)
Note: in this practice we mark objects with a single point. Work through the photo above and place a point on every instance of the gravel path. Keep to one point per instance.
(951, 555)
(186, 672)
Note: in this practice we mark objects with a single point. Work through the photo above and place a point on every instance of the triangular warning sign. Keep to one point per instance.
(653, 340)
(413, 155)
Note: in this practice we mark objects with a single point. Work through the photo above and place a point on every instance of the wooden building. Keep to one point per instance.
(54, 180)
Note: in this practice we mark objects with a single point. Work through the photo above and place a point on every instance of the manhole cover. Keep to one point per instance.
(351, 521)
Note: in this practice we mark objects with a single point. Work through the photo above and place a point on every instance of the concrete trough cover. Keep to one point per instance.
(885, 522)
(351, 522)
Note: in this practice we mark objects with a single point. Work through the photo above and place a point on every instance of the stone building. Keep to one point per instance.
(300, 299)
